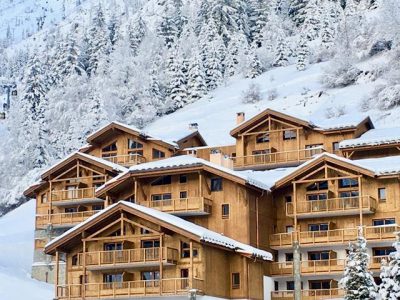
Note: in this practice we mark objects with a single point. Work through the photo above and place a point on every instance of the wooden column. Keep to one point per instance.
(50, 197)
(107, 201)
(161, 263)
(56, 278)
(84, 269)
(298, 143)
(136, 191)
(191, 265)
(295, 209)
(360, 200)
(200, 185)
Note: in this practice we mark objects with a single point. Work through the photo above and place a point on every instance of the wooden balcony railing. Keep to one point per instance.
(319, 267)
(139, 288)
(129, 256)
(335, 236)
(292, 156)
(64, 219)
(309, 294)
(126, 160)
(347, 205)
(76, 194)
(183, 206)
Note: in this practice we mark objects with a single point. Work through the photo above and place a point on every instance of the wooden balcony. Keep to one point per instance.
(127, 289)
(309, 294)
(193, 206)
(335, 236)
(126, 160)
(319, 267)
(331, 207)
(273, 159)
(63, 219)
(130, 258)
(74, 197)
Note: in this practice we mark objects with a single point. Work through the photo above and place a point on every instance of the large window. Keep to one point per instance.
(151, 277)
(216, 184)
(150, 244)
(381, 222)
(319, 284)
(318, 227)
(135, 147)
(320, 255)
(262, 138)
(317, 197)
(43, 198)
(109, 150)
(112, 246)
(289, 135)
(162, 180)
(160, 197)
(157, 154)
(348, 182)
(382, 251)
(70, 210)
(317, 186)
(113, 280)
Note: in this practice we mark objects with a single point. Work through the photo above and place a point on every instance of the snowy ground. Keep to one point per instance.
(16, 252)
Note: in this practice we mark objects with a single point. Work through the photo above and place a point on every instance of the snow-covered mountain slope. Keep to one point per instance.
(16, 253)
(297, 93)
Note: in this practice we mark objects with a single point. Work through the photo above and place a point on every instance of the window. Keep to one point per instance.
(382, 251)
(319, 284)
(112, 246)
(290, 285)
(151, 278)
(382, 194)
(236, 280)
(132, 144)
(348, 194)
(289, 135)
(323, 255)
(216, 184)
(381, 222)
(162, 180)
(74, 260)
(43, 198)
(317, 186)
(97, 207)
(276, 285)
(317, 197)
(318, 227)
(289, 257)
(335, 146)
(109, 278)
(110, 148)
(185, 250)
(183, 195)
(69, 210)
(182, 178)
(160, 197)
(225, 211)
(288, 199)
(158, 154)
(348, 182)
(150, 244)
(313, 149)
(262, 138)
(289, 229)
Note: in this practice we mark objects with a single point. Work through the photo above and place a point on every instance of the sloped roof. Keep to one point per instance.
(374, 137)
(203, 234)
(185, 161)
(320, 124)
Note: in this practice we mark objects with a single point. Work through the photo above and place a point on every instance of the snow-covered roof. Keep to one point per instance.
(341, 122)
(190, 161)
(374, 137)
(202, 233)
(112, 165)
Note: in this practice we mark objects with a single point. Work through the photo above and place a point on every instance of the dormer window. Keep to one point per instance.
(289, 135)
(262, 138)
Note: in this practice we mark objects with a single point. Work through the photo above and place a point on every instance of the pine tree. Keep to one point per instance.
(302, 54)
(390, 273)
(312, 21)
(328, 29)
(176, 86)
(254, 68)
(258, 20)
(386, 286)
(136, 32)
(297, 11)
(358, 282)
(281, 54)
(196, 78)
(114, 29)
(172, 22)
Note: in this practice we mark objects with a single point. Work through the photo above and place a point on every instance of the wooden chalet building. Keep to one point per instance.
(272, 139)
(128, 251)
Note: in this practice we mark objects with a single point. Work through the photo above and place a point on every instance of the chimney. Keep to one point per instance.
(240, 117)
(193, 126)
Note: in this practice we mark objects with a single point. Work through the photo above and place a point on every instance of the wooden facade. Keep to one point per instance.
(129, 253)
(273, 139)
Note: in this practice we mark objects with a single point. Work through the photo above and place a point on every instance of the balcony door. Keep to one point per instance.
(151, 278)
(113, 281)
(72, 192)
(151, 249)
(184, 279)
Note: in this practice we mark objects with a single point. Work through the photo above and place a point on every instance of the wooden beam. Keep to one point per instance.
(324, 179)
(56, 271)
(360, 199)
(104, 228)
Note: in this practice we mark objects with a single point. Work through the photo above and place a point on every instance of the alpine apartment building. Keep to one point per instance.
(133, 215)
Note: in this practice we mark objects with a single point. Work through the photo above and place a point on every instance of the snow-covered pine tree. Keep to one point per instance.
(177, 90)
(98, 41)
(155, 89)
(114, 29)
(254, 67)
(197, 87)
(281, 53)
(358, 282)
(136, 32)
(328, 26)
(232, 59)
(386, 286)
(172, 22)
(258, 20)
(312, 21)
(302, 54)
(297, 11)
